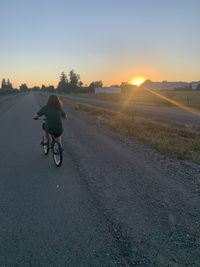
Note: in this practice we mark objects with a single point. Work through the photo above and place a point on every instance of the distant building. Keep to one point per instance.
(170, 85)
(107, 90)
(194, 85)
(164, 85)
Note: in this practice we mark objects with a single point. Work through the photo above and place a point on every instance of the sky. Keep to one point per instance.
(109, 40)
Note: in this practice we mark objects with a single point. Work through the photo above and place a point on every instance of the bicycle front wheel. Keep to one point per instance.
(57, 154)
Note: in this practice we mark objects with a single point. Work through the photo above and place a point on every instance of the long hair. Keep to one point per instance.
(54, 102)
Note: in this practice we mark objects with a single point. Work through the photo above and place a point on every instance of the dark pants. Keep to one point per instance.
(55, 134)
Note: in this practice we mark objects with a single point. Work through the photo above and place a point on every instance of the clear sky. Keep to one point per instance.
(108, 40)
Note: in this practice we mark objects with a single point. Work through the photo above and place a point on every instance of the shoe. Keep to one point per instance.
(43, 144)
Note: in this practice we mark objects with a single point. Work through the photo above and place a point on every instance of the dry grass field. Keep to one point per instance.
(158, 98)
(179, 141)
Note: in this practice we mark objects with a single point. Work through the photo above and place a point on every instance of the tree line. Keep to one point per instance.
(71, 83)
(67, 84)
(6, 85)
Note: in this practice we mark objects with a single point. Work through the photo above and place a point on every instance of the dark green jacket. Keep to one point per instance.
(53, 118)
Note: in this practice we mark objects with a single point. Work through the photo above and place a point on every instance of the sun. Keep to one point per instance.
(138, 80)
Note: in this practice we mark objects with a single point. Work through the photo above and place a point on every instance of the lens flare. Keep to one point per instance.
(138, 80)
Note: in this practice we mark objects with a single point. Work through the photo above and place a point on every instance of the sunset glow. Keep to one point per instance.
(110, 51)
(138, 80)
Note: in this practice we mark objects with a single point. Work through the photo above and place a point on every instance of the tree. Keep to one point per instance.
(43, 88)
(114, 85)
(93, 85)
(23, 87)
(50, 88)
(80, 84)
(63, 83)
(6, 85)
(73, 79)
(36, 88)
(9, 85)
(189, 86)
(127, 87)
(3, 84)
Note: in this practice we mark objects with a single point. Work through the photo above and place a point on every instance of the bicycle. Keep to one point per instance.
(55, 147)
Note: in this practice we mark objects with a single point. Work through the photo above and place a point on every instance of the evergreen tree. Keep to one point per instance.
(63, 83)
(73, 79)
(3, 84)
(9, 85)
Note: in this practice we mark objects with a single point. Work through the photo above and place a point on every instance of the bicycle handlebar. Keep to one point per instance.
(39, 119)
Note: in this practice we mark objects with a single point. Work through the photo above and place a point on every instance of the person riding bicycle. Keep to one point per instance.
(53, 113)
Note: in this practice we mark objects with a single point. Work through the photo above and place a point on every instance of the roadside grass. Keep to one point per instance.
(179, 141)
(142, 96)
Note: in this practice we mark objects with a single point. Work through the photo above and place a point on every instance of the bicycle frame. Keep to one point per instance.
(55, 147)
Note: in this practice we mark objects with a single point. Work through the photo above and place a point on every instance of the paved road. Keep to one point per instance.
(114, 202)
(6, 101)
(165, 114)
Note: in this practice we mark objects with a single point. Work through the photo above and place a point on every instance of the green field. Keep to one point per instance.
(142, 96)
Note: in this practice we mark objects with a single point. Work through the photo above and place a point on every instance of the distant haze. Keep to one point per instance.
(108, 40)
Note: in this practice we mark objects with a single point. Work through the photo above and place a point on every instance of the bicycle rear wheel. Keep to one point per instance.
(57, 154)
(45, 147)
